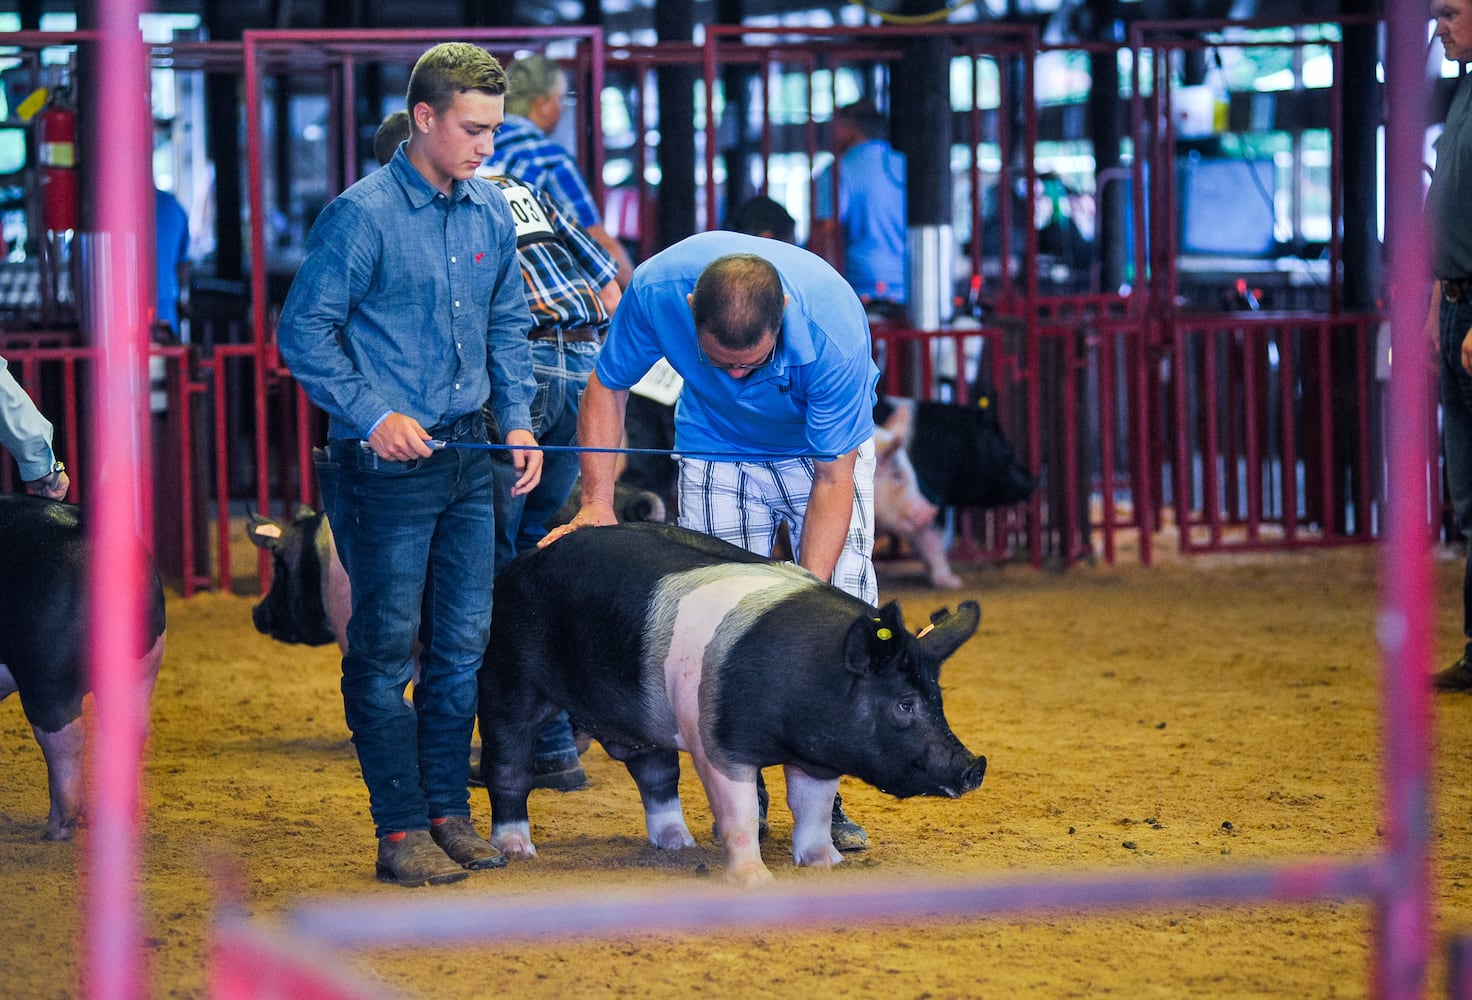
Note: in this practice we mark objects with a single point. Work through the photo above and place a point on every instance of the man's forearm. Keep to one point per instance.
(830, 510)
(600, 425)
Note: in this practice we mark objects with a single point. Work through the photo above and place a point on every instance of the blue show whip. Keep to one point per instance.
(711, 456)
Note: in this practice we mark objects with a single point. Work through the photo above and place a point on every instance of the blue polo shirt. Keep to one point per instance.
(817, 396)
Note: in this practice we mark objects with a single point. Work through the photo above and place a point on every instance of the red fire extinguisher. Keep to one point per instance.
(56, 128)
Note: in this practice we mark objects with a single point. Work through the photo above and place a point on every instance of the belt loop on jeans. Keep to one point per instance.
(571, 335)
(1456, 289)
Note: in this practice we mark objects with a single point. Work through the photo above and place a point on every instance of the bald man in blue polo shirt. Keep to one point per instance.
(774, 348)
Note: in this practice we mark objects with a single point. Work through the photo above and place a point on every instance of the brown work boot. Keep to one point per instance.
(415, 860)
(457, 838)
(1457, 677)
(562, 773)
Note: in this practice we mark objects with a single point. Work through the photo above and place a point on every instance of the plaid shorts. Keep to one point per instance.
(745, 503)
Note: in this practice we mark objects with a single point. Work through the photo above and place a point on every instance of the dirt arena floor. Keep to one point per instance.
(1215, 712)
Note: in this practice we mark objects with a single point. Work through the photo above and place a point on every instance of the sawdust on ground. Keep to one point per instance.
(1215, 713)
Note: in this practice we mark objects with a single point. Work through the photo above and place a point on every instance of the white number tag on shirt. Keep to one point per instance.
(531, 221)
(660, 383)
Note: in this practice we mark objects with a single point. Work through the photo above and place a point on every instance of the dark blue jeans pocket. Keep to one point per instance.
(351, 455)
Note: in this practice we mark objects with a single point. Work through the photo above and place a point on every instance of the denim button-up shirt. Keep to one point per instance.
(409, 301)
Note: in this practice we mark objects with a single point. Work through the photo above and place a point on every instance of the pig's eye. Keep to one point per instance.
(904, 712)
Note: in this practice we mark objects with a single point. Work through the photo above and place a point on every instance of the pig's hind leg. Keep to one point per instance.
(811, 802)
(930, 546)
(657, 773)
(508, 746)
(511, 827)
(64, 751)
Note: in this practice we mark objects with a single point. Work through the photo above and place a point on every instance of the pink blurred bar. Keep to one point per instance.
(249, 963)
(691, 908)
(1403, 911)
(113, 964)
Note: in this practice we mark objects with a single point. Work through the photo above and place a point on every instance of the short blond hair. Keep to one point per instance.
(452, 68)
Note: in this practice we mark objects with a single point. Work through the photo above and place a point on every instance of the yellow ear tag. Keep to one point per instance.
(983, 402)
(885, 634)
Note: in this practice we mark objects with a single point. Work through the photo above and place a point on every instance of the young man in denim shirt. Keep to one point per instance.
(406, 317)
(570, 288)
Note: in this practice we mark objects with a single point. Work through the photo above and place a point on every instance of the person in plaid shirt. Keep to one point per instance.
(538, 92)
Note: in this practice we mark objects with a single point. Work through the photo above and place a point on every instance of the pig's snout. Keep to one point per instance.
(971, 777)
(917, 516)
(945, 773)
(968, 779)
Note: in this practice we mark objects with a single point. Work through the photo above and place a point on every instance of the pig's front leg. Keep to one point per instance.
(733, 805)
(930, 546)
(811, 802)
(657, 773)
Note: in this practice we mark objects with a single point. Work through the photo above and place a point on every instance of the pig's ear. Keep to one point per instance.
(886, 443)
(263, 531)
(946, 632)
(873, 644)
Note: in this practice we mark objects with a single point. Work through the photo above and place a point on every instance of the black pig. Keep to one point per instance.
(43, 639)
(657, 639)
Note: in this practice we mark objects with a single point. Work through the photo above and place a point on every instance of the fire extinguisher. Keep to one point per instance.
(56, 128)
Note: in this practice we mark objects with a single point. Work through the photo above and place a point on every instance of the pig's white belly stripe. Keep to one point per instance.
(695, 618)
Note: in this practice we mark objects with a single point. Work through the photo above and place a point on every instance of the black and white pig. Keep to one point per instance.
(657, 639)
(310, 598)
(43, 639)
(934, 455)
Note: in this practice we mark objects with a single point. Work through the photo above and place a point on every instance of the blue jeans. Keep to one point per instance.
(561, 373)
(413, 537)
(1456, 435)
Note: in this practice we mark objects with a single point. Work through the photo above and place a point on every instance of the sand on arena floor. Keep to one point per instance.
(1212, 712)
